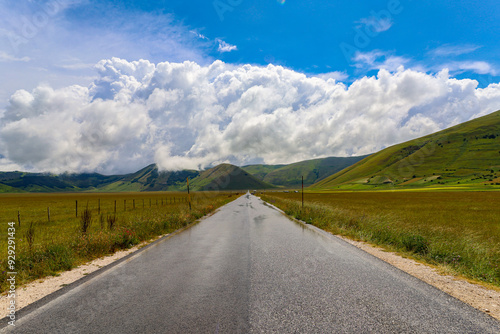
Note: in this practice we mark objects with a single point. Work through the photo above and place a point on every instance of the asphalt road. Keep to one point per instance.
(250, 269)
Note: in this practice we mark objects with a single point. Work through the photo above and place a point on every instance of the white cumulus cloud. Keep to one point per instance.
(225, 47)
(185, 115)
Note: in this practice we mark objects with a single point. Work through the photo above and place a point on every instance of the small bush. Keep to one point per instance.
(111, 222)
(126, 239)
(85, 220)
(30, 237)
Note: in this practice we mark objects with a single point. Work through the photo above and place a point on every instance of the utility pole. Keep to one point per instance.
(302, 192)
(189, 196)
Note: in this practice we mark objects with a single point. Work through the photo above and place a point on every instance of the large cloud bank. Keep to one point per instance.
(183, 115)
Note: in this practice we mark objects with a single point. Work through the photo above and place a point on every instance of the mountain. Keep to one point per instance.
(260, 171)
(222, 177)
(227, 177)
(468, 153)
(290, 176)
(150, 179)
(147, 179)
(32, 182)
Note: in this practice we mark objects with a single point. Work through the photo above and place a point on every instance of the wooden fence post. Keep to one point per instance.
(48, 213)
(76, 208)
(302, 193)
(19, 218)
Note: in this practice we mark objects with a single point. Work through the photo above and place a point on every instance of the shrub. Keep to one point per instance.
(85, 220)
(111, 222)
(30, 237)
(126, 239)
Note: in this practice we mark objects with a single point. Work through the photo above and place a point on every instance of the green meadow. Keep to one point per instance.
(456, 231)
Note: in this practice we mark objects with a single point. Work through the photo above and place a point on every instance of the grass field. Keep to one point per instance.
(457, 231)
(61, 244)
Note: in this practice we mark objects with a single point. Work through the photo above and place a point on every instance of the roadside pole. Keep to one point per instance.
(189, 196)
(302, 192)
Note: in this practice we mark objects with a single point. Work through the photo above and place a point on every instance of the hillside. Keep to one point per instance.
(147, 179)
(227, 177)
(290, 176)
(33, 182)
(260, 171)
(151, 179)
(468, 153)
(222, 177)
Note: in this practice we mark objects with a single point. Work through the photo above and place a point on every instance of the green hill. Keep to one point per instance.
(222, 177)
(290, 176)
(33, 182)
(227, 177)
(260, 171)
(468, 153)
(150, 179)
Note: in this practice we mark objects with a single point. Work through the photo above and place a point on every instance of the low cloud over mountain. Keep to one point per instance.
(184, 115)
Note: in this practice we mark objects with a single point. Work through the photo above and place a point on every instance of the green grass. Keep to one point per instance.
(61, 245)
(457, 231)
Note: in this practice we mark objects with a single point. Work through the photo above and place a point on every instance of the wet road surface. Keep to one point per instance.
(249, 269)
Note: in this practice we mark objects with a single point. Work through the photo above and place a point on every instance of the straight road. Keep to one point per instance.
(249, 269)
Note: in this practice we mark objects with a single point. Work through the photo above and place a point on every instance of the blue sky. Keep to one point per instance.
(306, 36)
(53, 46)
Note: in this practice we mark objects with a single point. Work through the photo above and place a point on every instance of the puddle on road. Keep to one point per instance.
(259, 219)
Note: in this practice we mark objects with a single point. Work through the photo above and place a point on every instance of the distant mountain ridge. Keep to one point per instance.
(465, 154)
(221, 177)
(290, 176)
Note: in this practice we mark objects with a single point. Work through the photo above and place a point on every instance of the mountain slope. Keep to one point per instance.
(227, 177)
(151, 179)
(260, 171)
(312, 170)
(35, 182)
(466, 153)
